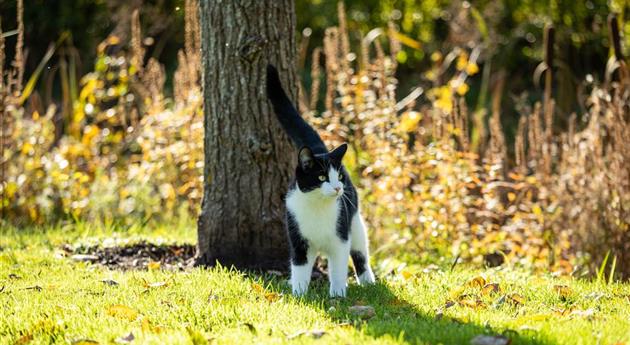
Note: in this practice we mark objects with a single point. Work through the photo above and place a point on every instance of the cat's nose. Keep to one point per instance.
(337, 189)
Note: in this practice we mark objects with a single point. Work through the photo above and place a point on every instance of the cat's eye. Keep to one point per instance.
(340, 177)
(322, 178)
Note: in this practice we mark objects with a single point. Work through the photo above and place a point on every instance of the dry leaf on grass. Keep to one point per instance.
(471, 301)
(406, 274)
(147, 326)
(563, 291)
(109, 282)
(258, 288)
(123, 312)
(126, 339)
(516, 299)
(272, 296)
(25, 339)
(490, 288)
(478, 281)
(85, 342)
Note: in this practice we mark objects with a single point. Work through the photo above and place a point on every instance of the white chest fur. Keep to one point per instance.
(316, 217)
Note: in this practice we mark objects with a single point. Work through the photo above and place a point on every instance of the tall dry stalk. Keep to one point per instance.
(137, 50)
(187, 76)
(18, 62)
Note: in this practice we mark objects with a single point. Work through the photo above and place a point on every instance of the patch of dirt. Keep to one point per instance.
(137, 256)
(144, 255)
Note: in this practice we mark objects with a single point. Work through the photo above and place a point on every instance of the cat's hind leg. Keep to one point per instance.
(359, 251)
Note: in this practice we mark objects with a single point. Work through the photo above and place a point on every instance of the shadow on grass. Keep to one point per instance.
(397, 318)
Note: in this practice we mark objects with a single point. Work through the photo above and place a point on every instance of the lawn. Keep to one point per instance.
(46, 297)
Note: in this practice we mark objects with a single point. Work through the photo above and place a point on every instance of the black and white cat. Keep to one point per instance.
(323, 213)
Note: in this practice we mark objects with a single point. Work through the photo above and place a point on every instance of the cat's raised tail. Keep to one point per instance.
(300, 132)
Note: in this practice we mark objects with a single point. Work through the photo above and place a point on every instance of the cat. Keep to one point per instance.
(323, 214)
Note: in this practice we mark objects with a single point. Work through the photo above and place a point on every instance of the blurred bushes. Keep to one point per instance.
(127, 152)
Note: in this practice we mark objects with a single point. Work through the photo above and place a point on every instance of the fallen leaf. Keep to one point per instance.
(109, 282)
(25, 339)
(85, 342)
(154, 265)
(472, 302)
(272, 296)
(406, 274)
(362, 311)
(490, 340)
(563, 290)
(123, 312)
(478, 281)
(516, 299)
(126, 339)
(147, 326)
(490, 288)
(258, 288)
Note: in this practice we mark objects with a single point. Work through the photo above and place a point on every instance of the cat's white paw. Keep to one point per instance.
(299, 292)
(299, 289)
(338, 290)
(367, 277)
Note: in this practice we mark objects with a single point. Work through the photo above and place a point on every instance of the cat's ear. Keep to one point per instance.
(337, 154)
(306, 159)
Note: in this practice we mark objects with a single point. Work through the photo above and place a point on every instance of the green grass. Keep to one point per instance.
(46, 298)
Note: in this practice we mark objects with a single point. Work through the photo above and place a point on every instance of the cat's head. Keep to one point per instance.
(321, 173)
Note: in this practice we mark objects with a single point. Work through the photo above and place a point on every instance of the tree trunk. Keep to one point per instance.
(248, 158)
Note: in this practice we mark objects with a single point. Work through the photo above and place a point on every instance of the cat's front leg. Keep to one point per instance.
(301, 272)
(302, 257)
(338, 269)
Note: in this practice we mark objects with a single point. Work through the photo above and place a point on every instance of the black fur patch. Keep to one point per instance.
(307, 175)
(347, 206)
(297, 243)
(359, 261)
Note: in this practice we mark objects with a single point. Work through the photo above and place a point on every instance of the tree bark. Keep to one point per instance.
(248, 158)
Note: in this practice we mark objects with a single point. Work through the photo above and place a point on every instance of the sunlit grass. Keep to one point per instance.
(51, 299)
